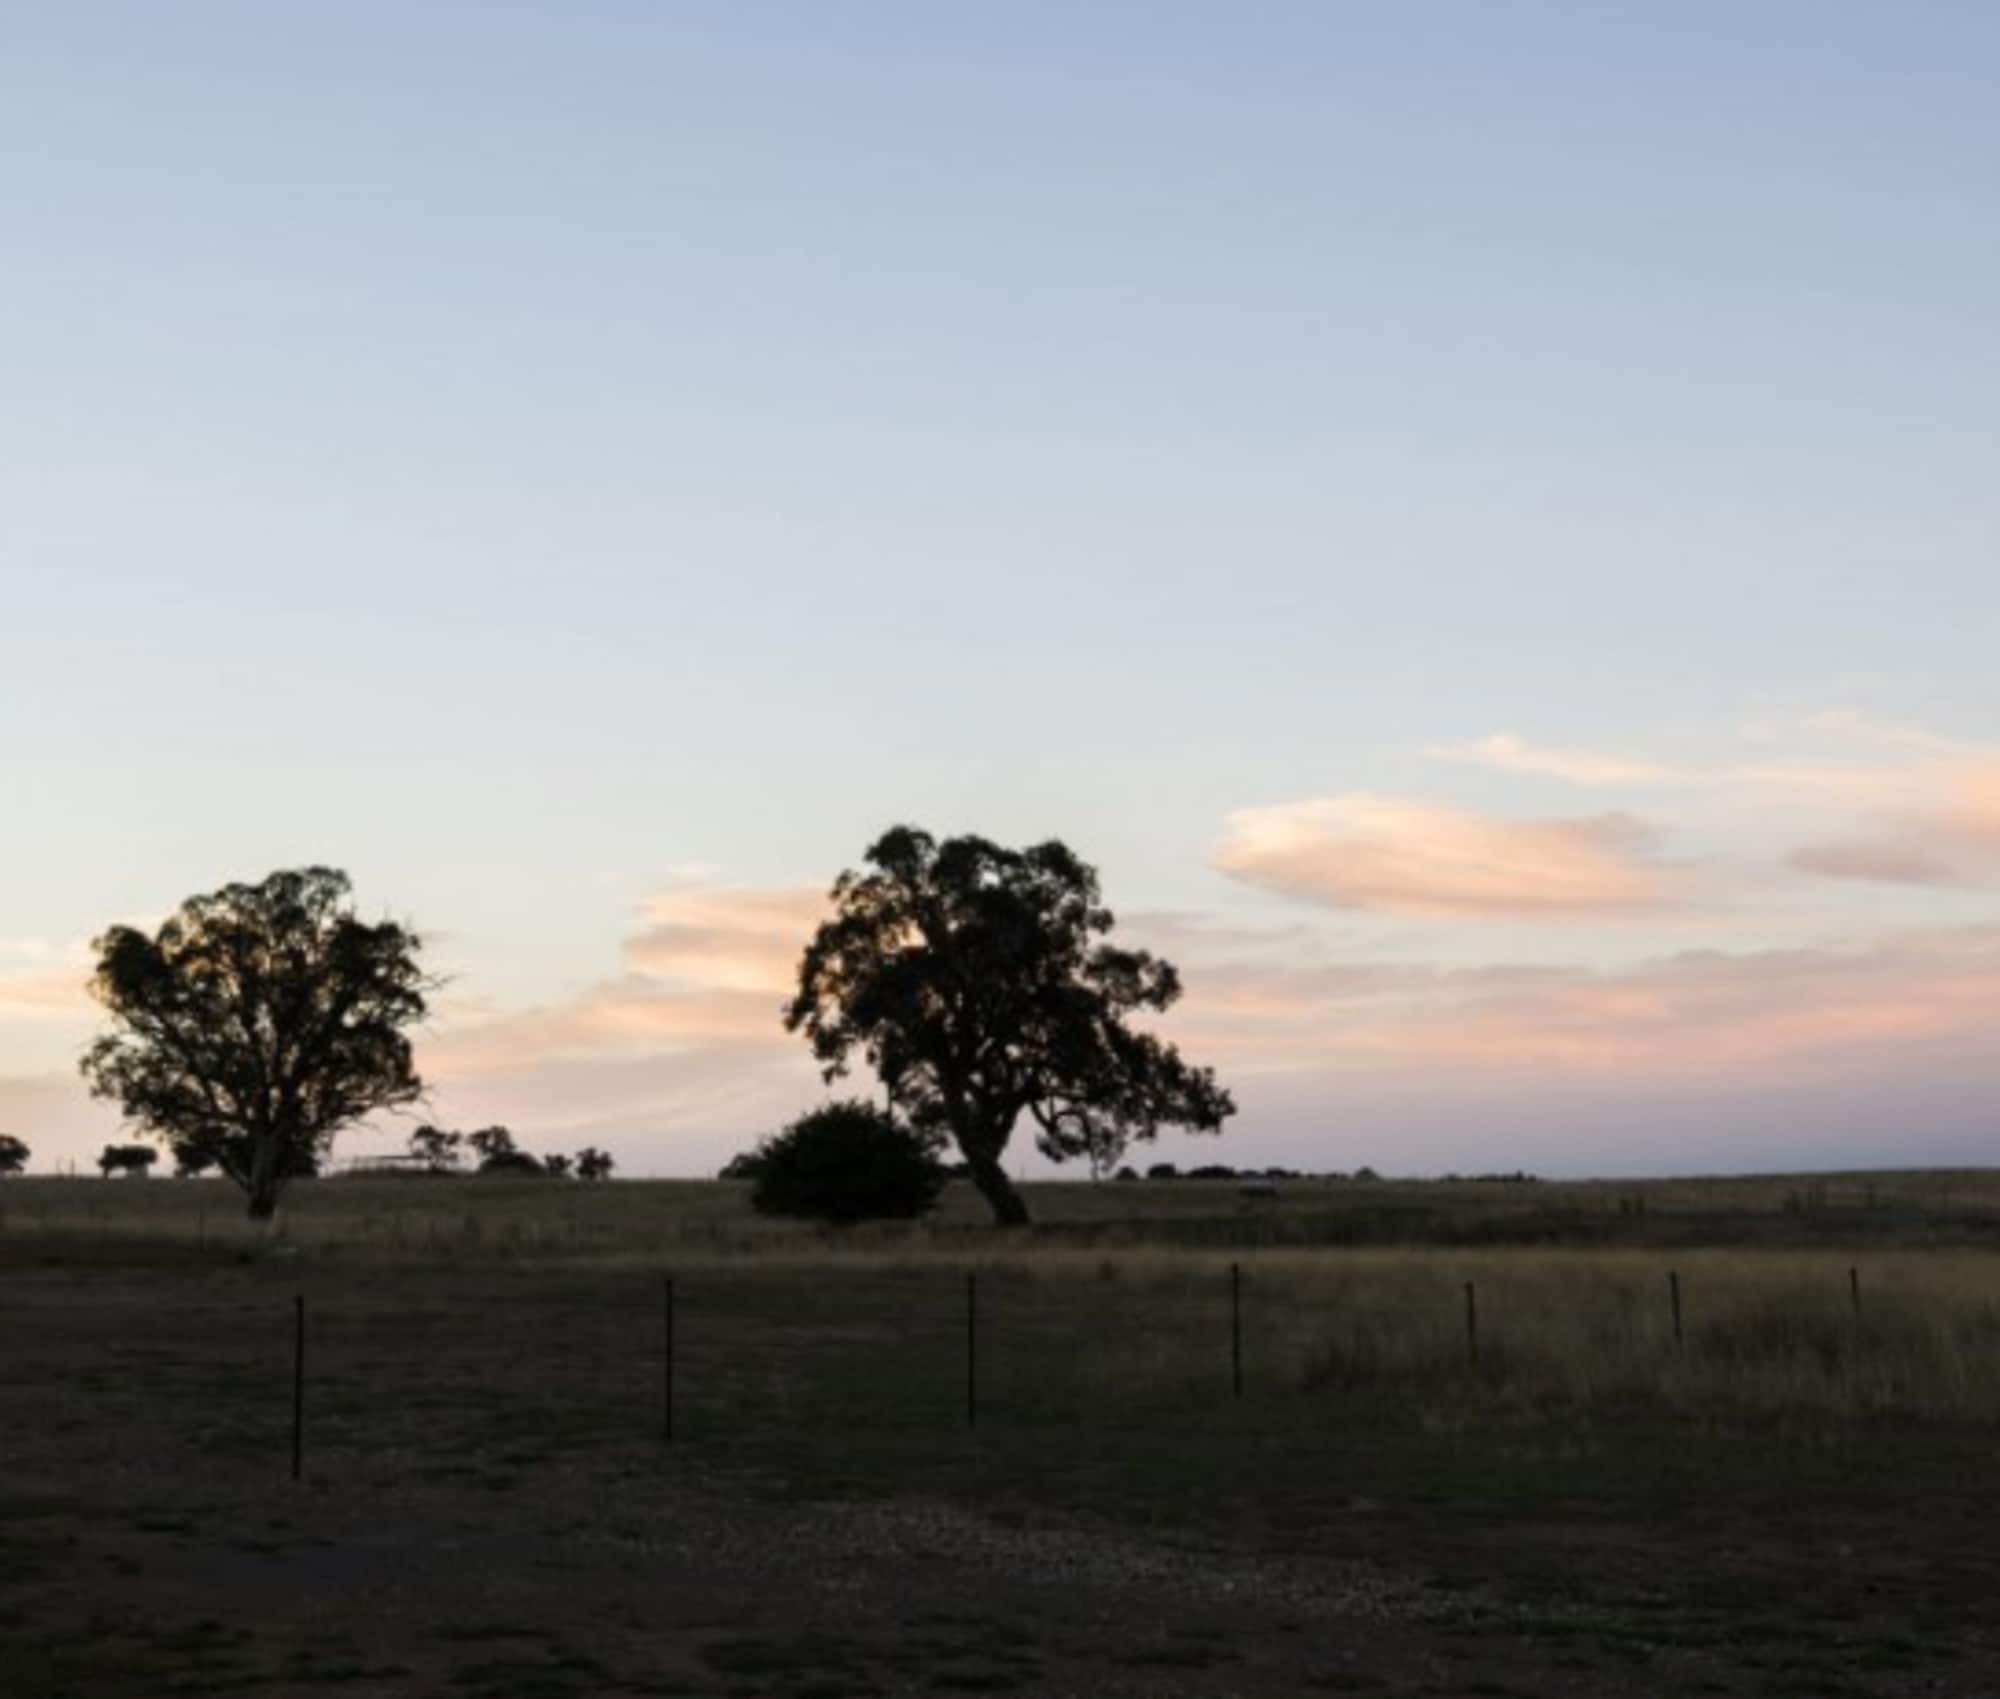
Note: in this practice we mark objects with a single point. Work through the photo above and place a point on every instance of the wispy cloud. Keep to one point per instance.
(1392, 854)
(1506, 753)
(51, 992)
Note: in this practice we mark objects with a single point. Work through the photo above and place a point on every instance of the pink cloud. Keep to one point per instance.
(1369, 852)
(1945, 831)
(1754, 1011)
(685, 1043)
(731, 936)
(57, 1119)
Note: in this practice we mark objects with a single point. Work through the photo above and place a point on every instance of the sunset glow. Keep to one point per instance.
(1492, 563)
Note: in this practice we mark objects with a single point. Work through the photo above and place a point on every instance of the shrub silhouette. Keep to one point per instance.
(847, 1161)
(13, 1154)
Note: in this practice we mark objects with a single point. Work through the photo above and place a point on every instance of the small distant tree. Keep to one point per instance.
(845, 1162)
(491, 1144)
(256, 1023)
(744, 1165)
(977, 982)
(593, 1164)
(126, 1159)
(556, 1165)
(436, 1148)
(1163, 1171)
(13, 1154)
(1128, 1172)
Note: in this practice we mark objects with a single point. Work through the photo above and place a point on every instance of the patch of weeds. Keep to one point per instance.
(511, 1678)
(24, 1559)
(961, 1653)
(979, 1681)
(332, 1660)
(310, 1671)
(29, 1508)
(477, 1632)
(163, 1522)
(202, 1659)
(801, 1666)
(558, 1673)
(1197, 1657)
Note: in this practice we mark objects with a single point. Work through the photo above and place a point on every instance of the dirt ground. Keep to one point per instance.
(489, 1507)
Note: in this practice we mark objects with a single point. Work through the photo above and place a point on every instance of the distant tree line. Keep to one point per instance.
(441, 1152)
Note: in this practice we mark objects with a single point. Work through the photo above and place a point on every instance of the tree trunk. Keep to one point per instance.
(267, 1178)
(1008, 1208)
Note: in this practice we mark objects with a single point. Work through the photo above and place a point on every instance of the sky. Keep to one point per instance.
(1479, 521)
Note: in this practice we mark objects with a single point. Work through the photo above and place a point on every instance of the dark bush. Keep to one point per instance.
(511, 1162)
(847, 1161)
(1163, 1171)
(126, 1159)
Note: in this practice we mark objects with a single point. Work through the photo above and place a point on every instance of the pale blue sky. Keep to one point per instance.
(522, 452)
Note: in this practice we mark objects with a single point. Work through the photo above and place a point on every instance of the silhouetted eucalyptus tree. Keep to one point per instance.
(258, 1022)
(974, 981)
(13, 1154)
(436, 1147)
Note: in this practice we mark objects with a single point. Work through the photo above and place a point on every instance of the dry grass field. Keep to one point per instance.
(1224, 1445)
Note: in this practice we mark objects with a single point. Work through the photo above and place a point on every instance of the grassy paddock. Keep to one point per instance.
(474, 1219)
(1352, 1295)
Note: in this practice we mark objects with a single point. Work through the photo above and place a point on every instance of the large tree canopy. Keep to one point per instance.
(259, 1021)
(975, 981)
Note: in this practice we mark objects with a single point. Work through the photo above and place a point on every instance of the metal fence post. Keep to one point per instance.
(971, 1349)
(298, 1386)
(1236, 1330)
(667, 1364)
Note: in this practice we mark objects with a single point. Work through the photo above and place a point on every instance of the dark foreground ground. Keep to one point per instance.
(489, 1508)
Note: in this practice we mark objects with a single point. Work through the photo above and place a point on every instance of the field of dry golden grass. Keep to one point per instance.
(1835, 1299)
